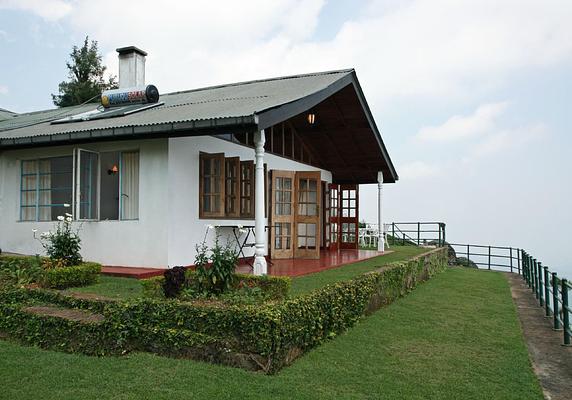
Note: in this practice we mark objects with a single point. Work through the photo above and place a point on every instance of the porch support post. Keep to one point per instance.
(381, 238)
(260, 267)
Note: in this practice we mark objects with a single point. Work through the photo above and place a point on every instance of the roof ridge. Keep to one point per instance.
(71, 108)
(278, 78)
(8, 111)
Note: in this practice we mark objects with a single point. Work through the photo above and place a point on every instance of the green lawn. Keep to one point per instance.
(308, 283)
(454, 337)
(113, 287)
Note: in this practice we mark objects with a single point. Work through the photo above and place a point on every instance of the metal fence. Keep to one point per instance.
(489, 257)
(551, 292)
(415, 233)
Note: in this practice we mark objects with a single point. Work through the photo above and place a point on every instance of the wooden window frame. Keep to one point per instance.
(228, 161)
(221, 206)
(223, 181)
(250, 213)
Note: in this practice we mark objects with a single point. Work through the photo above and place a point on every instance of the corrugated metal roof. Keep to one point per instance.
(231, 103)
(5, 114)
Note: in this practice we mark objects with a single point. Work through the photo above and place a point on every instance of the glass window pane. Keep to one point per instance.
(312, 210)
(311, 230)
(88, 174)
(312, 197)
(130, 185)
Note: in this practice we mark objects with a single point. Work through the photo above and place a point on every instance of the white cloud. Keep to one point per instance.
(506, 139)
(51, 10)
(481, 122)
(4, 89)
(417, 170)
(439, 50)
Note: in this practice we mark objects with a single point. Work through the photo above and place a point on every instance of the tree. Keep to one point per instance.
(86, 81)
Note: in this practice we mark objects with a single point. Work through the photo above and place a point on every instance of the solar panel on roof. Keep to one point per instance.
(101, 113)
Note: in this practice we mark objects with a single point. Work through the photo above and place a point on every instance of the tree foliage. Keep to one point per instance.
(86, 80)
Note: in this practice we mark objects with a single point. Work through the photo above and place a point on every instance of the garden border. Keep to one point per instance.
(254, 337)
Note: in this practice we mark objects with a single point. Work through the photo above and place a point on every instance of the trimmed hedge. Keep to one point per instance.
(14, 268)
(273, 287)
(84, 274)
(263, 337)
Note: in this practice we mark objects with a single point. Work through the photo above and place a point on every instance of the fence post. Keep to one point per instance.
(565, 313)
(489, 257)
(534, 279)
(540, 293)
(546, 292)
(518, 262)
(404, 239)
(393, 233)
(511, 259)
(557, 325)
(468, 254)
(440, 244)
(444, 226)
(418, 233)
(525, 268)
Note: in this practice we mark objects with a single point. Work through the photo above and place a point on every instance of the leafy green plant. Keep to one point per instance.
(215, 266)
(63, 245)
(20, 270)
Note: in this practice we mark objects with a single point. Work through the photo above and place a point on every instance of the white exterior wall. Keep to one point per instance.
(185, 228)
(169, 226)
(126, 243)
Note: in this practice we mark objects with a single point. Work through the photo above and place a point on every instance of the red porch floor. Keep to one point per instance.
(132, 272)
(290, 267)
(328, 260)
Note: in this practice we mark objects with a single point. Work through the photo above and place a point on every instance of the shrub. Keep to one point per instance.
(271, 287)
(62, 245)
(19, 270)
(80, 275)
(174, 281)
(215, 267)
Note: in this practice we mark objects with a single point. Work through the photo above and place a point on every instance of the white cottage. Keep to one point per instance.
(283, 155)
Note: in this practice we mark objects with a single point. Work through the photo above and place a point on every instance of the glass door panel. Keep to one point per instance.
(307, 218)
(282, 215)
(348, 216)
(334, 217)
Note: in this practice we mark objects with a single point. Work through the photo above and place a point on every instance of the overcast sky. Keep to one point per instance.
(473, 97)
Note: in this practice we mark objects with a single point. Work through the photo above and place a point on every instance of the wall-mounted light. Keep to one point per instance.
(113, 170)
(311, 118)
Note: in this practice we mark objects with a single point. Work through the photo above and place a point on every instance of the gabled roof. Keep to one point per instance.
(249, 105)
(219, 105)
(5, 114)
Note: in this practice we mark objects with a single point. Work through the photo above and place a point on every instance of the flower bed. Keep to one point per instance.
(263, 337)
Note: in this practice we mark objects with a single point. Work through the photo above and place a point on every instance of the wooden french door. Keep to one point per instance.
(295, 216)
(281, 238)
(334, 216)
(348, 216)
(307, 214)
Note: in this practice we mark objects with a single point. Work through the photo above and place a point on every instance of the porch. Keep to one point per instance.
(328, 260)
(286, 267)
